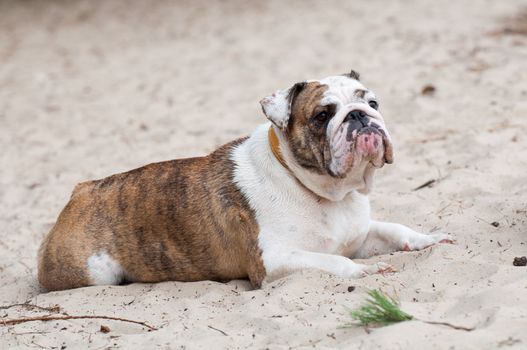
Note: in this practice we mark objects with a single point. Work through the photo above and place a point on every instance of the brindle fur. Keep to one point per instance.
(309, 145)
(165, 221)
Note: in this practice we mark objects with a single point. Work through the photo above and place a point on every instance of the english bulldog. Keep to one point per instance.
(293, 195)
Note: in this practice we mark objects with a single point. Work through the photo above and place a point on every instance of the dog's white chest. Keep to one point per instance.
(343, 225)
(330, 227)
(289, 217)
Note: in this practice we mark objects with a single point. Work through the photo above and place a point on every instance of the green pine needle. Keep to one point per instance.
(379, 310)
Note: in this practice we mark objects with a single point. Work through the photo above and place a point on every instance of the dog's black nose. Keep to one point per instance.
(358, 116)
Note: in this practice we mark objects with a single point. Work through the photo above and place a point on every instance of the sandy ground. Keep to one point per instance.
(92, 88)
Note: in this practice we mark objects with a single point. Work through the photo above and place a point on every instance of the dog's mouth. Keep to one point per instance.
(372, 144)
(359, 139)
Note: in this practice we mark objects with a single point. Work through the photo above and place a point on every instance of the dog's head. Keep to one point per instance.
(331, 133)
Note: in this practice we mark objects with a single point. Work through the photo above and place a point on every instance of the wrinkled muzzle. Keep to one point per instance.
(357, 135)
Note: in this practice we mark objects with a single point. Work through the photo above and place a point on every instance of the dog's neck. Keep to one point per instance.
(275, 147)
(274, 143)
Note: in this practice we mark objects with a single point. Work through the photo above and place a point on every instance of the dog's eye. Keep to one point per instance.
(321, 117)
(373, 104)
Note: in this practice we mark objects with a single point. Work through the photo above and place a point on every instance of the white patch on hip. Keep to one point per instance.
(104, 270)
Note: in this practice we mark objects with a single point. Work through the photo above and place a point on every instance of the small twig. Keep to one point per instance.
(429, 183)
(37, 344)
(468, 329)
(129, 303)
(67, 317)
(219, 330)
(24, 333)
(442, 209)
(53, 309)
(432, 138)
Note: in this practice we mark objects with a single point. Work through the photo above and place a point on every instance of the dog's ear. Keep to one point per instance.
(353, 75)
(277, 107)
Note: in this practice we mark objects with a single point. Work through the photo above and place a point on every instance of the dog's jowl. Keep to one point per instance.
(292, 195)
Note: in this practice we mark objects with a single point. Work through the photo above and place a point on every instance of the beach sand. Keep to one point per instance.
(92, 88)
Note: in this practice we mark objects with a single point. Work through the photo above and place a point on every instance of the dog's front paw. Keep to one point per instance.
(443, 238)
(422, 241)
(361, 270)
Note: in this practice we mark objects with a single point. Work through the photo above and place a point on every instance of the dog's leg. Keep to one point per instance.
(387, 237)
(284, 263)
